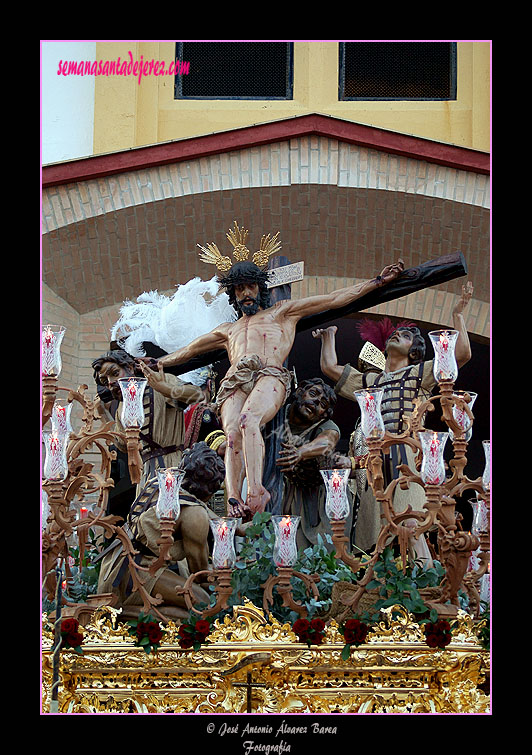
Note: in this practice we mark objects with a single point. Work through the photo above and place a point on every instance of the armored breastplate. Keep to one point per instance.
(401, 388)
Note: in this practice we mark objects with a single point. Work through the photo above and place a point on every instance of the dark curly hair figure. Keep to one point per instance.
(204, 470)
(418, 348)
(246, 272)
(118, 356)
(328, 392)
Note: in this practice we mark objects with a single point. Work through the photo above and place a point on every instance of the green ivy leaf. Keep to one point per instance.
(346, 652)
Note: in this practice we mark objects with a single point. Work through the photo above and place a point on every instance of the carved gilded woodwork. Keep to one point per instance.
(255, 664)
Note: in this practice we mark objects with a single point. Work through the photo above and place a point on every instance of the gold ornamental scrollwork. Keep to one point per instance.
(249, 623)
(254, 664)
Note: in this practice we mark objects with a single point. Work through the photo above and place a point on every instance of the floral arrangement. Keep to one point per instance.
(355, 633)
(193, 633)
(255, 564)
(310, 631)
(437, 633)
(71, 637)
(147, 632)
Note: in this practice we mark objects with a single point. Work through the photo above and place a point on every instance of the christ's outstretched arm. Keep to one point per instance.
(315, 304)
(216, 339)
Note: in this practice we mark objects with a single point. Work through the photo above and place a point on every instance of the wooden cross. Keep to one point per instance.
(432, 273)
(249, 684)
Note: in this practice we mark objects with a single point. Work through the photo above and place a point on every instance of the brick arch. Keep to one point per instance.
(340, 232)
(303, 160)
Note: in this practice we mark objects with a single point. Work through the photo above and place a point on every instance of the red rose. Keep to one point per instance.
(203, 627)
(302, 628)
(438, 634)
(318, 625)
(69, 625)
(142, 628)
(74, 639)
(349, 637)
(352, 624)
(154, 634)
(186, 642)
(355, 632)
(184, 631)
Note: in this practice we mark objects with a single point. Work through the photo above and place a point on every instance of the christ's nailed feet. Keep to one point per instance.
(239, 510)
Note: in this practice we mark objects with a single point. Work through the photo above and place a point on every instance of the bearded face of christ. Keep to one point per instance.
(247, 298)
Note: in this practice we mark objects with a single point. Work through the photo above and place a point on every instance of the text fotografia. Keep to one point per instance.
(119, 67)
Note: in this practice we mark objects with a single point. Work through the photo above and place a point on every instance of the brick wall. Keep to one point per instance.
(340, 207)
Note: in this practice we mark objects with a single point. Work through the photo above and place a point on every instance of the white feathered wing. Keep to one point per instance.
(172, 322)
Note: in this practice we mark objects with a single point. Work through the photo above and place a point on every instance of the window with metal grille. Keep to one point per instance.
(235, 70)
(397, 71)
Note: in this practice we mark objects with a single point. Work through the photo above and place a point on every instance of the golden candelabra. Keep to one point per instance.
(439, 511)
(79, 479)
(282, 581)
(222, 587)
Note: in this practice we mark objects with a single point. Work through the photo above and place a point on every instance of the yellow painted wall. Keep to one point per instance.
(131, 114)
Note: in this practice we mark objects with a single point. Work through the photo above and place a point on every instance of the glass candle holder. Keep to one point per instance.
(223, 553)
(169, 479)
(485, 591)
(45, 509)
(60, 419)
(432, 465)
(337, 502)
(444, 343)
(132, 414)
(371, 422)
(473, 563)
(480, 516)
(285, 548)
(461, 417)
(51, 349)
(55, 464)
(487, 473)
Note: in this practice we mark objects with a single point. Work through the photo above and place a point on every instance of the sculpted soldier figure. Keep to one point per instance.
(257, 343)
(404, 375)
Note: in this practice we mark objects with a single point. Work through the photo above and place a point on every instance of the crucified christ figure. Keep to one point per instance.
(257, 384)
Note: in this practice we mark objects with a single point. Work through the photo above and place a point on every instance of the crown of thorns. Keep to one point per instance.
(238, 237)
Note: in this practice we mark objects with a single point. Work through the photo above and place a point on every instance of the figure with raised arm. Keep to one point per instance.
(257, 343)
(165, 400)
(404, 375)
